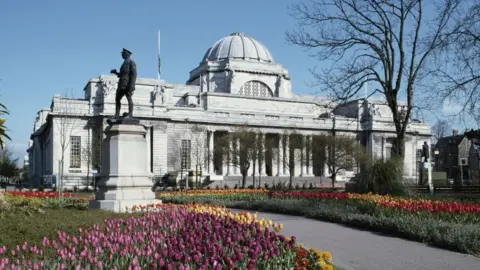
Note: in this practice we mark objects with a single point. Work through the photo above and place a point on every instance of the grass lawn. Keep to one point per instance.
(31, 226)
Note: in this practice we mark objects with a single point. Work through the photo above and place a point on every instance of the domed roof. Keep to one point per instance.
(238, 46)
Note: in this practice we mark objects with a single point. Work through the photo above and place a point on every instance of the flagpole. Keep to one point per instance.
(159, 63)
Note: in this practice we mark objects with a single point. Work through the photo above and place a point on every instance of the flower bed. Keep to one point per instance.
(225, 194)
(409, 204)
(171, 237)
(40, 199)
(445, 224)
(40, 194)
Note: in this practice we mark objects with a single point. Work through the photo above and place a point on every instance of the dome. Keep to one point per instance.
(238, 46)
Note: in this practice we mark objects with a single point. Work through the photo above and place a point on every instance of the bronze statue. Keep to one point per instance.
(425, 152)
(126, 83)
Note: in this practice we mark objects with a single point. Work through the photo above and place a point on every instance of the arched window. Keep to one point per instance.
(256, 89)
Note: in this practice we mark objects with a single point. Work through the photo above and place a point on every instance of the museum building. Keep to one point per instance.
(237, 84)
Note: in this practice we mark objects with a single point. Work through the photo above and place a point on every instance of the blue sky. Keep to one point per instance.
(50, 47)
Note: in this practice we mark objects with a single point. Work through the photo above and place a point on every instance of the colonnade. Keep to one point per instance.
(274, 164)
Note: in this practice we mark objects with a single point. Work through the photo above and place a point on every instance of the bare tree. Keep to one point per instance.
(91, 153)
(260, 156)
(342, 153)
(389, 43)
(440, 129)
(199, 150)
(458, 73)
(293, 156)
(67, 114)
(238, 149)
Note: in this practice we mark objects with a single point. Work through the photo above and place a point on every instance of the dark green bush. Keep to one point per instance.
(382, 177)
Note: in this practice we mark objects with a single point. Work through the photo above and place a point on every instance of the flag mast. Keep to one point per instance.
(159, 61)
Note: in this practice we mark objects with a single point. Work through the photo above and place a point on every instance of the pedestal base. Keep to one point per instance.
(126, 180)
(120, 206)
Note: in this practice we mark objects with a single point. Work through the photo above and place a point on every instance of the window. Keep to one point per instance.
(388, 153)
(256, 89)
(186, 156)
(75, 151)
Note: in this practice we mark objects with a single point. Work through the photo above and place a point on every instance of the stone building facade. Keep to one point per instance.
(237, 83)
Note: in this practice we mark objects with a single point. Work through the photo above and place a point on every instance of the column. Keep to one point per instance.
(149, 149)
(326, 172)
(262, 156)
(251, 170)
(230, 159)
(211, 168)
(309, 156)
(237, 147)
(304, 156)
(286, 156)
(280, 158)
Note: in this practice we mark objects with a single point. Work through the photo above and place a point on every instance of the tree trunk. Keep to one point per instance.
(334, 178)
(244, 179)
(399, 149)
(60, 180)
(290, 181)
(253, 175)
(259, 179)
(88, 176)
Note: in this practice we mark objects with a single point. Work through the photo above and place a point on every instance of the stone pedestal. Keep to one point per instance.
(125, 178)
(427, 165)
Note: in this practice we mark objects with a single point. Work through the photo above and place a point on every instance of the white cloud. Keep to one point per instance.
(451, 108)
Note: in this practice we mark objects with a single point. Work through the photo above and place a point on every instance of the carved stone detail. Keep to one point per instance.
(272, 117)
(108, 88)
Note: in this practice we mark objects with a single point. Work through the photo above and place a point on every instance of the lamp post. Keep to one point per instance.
(436, 152)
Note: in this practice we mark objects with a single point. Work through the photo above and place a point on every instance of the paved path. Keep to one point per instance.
(363, 250)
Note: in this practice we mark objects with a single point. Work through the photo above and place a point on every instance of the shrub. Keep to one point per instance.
(236, 186)
(41, 188)
(226, 187)
(28, 202)
(310, 186)
(382, 177)
(251, 187)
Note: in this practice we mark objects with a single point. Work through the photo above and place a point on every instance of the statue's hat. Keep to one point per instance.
(127, 51)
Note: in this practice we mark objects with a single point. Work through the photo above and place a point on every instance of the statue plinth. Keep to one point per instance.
(429, 165)
(126, 180)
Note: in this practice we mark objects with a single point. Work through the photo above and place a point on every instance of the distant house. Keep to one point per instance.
(454, 156)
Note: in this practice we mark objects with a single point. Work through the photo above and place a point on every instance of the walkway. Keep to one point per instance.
(363, 250)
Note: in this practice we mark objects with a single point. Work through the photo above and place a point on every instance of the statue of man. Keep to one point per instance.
(425, 152)
(126, 83)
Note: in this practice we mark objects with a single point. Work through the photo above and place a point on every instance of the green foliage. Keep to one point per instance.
(3, 128)
(27, 202)
(8, 165)
(382, 177)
